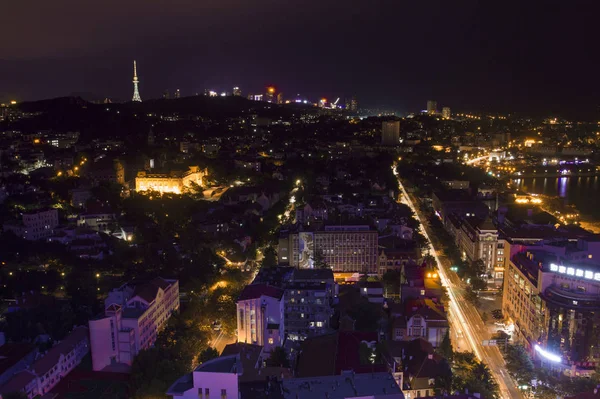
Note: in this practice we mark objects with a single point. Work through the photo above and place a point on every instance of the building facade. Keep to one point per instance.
(477, 240)
(343, 248)
(422, 319)
(173, 182)
(432, 107)
(35, 225)
(552, 295)
(217, 379)
(260, 316)
(51, 368)
(134, 315)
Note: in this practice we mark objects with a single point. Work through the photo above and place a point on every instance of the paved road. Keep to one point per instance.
(470, 331)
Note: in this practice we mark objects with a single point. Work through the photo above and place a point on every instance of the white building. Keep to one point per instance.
(35, 225)
(217, 378)
(98, 218)
(132, 319)
(47, 372)
(260, 316)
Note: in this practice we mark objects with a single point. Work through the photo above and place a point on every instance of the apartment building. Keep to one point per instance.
(343, 248)
(552, 294)
(48, 371)
(308, 299)
(134, 314)
(35, 225)
(260, 316)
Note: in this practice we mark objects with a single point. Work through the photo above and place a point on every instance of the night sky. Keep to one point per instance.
(537, 58)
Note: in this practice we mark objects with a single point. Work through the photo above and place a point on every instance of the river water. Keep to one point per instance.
(583, 192)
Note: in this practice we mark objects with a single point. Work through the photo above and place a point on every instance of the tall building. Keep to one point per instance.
(446, 114)
(260, 316)
(432, 107)
(351, 104)
(177, 93)
(343, 248)
(166, 94)
(136, 92)
(237, 91)
(308, 299)
(280, 98)
(270, 94)
(133, 316)
(390, 133)
(551, 294)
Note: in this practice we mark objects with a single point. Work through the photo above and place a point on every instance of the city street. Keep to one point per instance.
(468, 330)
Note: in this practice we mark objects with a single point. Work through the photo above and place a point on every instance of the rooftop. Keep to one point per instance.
(223, 364)
(347, 385)
(18, 382)
(312, 274)
(11, 353)
(62, 348)
(148, 291)
(333, 353)
(255, 291)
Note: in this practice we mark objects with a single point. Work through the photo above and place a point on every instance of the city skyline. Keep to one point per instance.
(468, 57)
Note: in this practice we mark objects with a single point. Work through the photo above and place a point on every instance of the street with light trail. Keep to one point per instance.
(464, 318)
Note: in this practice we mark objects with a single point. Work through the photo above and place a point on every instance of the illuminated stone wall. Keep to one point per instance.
(169, 183)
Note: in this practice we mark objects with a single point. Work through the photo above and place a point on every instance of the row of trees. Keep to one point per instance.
(544, 383)
(467, 373)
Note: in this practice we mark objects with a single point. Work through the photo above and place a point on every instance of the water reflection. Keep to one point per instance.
(582, 191)
(562, 186)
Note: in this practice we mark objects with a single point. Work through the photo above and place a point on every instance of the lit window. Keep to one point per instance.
(271, 341)
(422, 292)
(319, 324)
(590, 256)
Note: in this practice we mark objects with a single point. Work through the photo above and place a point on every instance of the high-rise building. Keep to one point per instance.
(432, 107)
(177, 93)
(390, 133)
(446, 113)
(280, 98)
(166, 94)
(136, 92)
(270, 94)
(237, 91)
(353, 104)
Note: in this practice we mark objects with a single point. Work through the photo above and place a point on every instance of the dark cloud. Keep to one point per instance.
(529, 56)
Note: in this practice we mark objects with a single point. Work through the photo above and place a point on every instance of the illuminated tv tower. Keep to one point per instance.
(136, 92)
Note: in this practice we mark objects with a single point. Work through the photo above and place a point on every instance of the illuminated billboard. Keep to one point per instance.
(306, 249)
